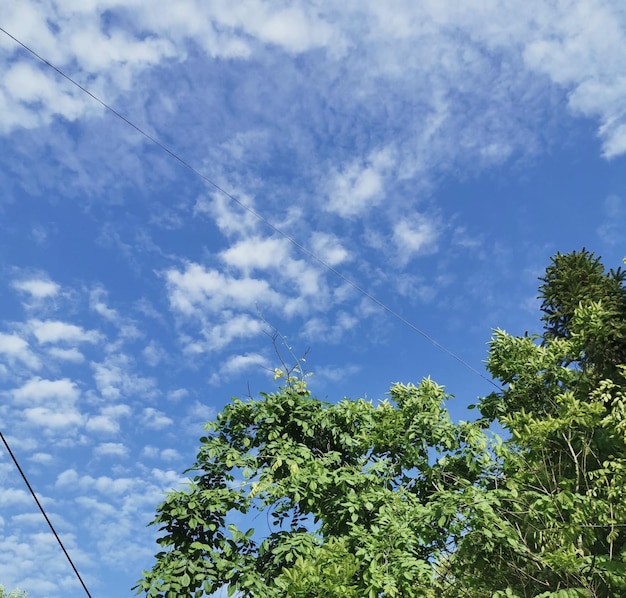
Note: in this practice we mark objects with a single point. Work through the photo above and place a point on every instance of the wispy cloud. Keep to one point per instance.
(360, 185)
(611, 231)
(417, 235)
(236, 365)
(115, 378)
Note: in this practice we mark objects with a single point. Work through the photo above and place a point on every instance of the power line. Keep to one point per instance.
(43, 512)
(256, 214)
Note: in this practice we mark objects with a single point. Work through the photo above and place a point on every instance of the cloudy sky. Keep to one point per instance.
(432, 155)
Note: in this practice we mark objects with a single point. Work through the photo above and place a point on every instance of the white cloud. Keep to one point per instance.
(170, 455)
(306, 281)
(198, 414)
(37, 391)
(185, 20)
(216, 305)
(438, 48)
(102, 424)
(38, 288)
(102, 484)
(41, 458)
(30, 519)
(52, 418)
(331, 330)
(237, 364)
(231, 219)
(32, 95)
(55, 331)
(72, 355)
(23, 442)
(155, 419)
(336, 374)
(359, 186)
(611, 231)
(97, 303)
(69, 477)
(117, 50)
(198, 289)
(110, 449)
(15, 348)
(115, 378)
(150, 452)
(96, 506)
(576, 49)
(229, 28)
(30, 549)
(294, 28)
(24, 86)
(416, 235)
(12, 496)
(177, 394)
(256, 253)
(153, 354)
(107, 421)
(218, 336)
(329, 249)
(167, 478)
(416, 287)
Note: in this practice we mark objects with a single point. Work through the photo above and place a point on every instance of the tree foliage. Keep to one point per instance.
(352, 500)
(394, 499)
(564, 467)
(13, 594)
(578, 280)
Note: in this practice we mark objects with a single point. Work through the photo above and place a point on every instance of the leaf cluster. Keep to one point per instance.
(359, 499)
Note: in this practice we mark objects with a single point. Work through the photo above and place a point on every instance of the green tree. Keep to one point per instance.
(355, 499)
(563, 470)
(14, 594)
(580, 302)
(577, 280)
(395, 500)
(560, 505)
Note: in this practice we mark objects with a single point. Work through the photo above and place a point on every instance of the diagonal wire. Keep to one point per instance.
(43, 512)
(256, 214)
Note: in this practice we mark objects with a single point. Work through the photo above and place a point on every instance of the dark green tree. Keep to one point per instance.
(582, 302)
(564, 467)
(579, 279)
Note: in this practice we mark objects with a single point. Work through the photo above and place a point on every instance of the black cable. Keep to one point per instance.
(256, 214)
(44, 513)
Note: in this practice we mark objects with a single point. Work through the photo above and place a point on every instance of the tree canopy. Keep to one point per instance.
(13, 594)
(292, 496)
(578, 280)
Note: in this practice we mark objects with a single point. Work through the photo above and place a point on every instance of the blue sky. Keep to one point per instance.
(435, 154)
